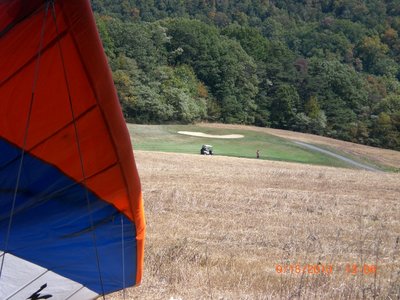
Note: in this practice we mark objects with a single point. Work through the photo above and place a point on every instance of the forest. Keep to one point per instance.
(328, 67)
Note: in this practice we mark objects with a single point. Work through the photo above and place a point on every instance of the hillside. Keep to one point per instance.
(324, 67)
(220, 228)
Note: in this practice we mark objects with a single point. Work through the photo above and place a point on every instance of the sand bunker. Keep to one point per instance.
(201, 134)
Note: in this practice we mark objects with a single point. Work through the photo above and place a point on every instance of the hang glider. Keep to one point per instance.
(71, 213)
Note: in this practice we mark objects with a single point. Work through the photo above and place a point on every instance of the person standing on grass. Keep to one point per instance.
(258, 153)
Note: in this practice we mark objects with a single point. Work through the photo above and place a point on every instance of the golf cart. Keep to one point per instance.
(206, 150)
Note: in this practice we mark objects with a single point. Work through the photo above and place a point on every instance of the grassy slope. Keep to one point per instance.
(166, 139)
(378, 157)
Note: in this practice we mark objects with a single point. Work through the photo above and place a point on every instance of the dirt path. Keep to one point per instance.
(345, 159)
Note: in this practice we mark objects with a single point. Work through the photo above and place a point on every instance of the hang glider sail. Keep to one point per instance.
(71, 213)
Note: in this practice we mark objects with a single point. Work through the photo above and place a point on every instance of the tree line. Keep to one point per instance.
(328, 67)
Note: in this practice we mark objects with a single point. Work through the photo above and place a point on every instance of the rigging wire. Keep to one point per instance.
(21, 162)
(78, 148)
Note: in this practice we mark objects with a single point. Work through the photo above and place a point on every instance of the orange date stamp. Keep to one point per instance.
(325, 269)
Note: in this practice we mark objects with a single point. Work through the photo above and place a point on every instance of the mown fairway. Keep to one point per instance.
(217, 227)
(166, 139)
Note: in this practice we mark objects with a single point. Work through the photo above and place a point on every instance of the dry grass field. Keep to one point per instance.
(217, 227)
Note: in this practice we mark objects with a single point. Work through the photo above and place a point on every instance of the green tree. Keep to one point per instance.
(179, 87)
(283, 107)
(374, 57)
(220, 63)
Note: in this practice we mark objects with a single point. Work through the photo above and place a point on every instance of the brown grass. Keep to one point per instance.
(380, 156)
(218, 226)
